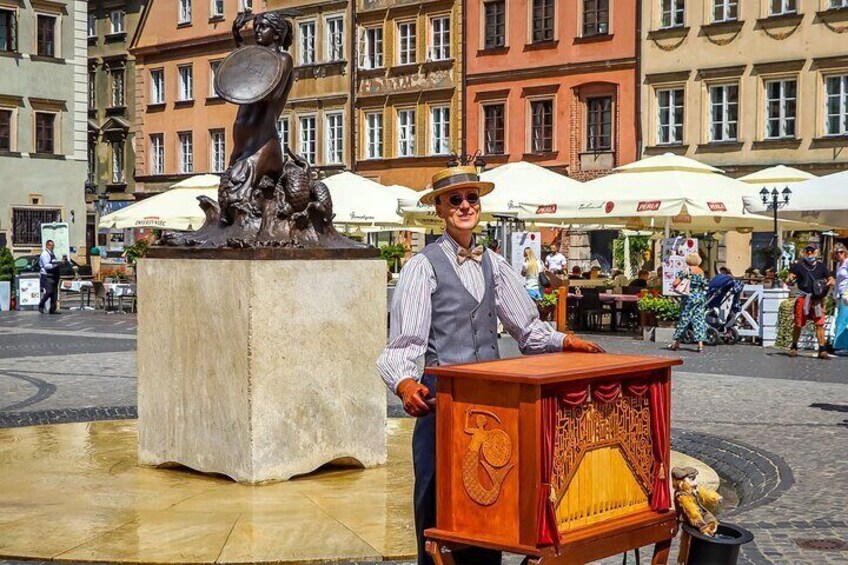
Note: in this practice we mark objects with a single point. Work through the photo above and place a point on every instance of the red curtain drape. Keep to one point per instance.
(574, 396)
(606, 392)
(661, 498)
(548, 529)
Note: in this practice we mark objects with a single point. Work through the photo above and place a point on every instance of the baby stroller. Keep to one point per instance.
(724, 302)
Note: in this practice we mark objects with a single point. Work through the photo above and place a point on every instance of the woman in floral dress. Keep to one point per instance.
(693, 311)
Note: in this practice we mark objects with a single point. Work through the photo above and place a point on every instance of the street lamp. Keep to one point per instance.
(772, 201)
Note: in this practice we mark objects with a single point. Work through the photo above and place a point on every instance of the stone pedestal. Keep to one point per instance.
(262, 368)
(769, 314)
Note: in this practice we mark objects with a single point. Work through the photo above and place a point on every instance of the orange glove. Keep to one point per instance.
(574, 343)
(413, 394)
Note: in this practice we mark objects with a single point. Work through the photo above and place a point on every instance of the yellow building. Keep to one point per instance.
(317, 120)
(408, 85)
(745, 85)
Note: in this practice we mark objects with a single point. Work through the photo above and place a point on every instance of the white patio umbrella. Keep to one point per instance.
(820, 200)
(363, 202)
(174, 209)
(658, 191)
(199, 181)
(525, 184)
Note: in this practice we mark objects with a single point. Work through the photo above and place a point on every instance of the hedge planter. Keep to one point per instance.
(721, 549)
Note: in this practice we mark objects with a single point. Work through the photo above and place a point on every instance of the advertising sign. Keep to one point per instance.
(521, 241)
(674, 252)
(29, 291)
(59, 233)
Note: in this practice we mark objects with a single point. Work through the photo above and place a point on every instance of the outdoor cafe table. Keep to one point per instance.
(613, 299)
(83, 288)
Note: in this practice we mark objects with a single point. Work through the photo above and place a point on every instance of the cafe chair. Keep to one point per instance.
(594, 312)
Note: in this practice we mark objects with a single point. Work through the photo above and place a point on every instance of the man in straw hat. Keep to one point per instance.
(446, 306)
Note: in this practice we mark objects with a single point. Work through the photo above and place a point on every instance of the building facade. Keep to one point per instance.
(746, 85)
(553, 83)
(42, 121)
(110, 27)
(408, 89)
(316, 123)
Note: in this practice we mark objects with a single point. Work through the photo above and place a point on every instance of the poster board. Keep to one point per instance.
(29, 291)
(674, 252)
(520, 241)
(60, 234)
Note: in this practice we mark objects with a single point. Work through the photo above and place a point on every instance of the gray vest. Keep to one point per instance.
(462, 330)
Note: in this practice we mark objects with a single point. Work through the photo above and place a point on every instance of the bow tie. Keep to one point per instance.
(475, 254)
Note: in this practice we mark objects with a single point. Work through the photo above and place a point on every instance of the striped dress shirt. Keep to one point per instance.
(411, 311)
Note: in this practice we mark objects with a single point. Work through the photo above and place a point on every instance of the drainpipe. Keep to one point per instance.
(463, 83)
(354, 66)
(638, 82)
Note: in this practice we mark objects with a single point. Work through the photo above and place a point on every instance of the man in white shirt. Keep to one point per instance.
(48, 268)
(445, 308)
(555, 262)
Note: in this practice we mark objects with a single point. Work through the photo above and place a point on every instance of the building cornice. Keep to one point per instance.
(553, 70)
(672, 76)
(190, 43)
(721, 72)
(840, 61)
(792, 65)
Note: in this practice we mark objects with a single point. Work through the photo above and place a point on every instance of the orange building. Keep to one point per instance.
(182, 127)
(553, 83)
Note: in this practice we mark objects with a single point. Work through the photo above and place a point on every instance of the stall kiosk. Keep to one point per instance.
(562, 457)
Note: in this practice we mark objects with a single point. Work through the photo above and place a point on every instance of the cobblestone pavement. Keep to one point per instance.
(775, 429)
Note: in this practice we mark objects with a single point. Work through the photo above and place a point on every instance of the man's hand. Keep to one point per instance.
(413, 395)
(574, 343)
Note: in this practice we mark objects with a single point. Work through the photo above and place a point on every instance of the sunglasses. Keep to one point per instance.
(456, 200)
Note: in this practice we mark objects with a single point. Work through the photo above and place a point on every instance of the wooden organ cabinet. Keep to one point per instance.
(563, 457)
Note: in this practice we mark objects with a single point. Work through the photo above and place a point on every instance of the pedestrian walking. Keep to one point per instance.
(693, 309)
(813, 279)
(840, 297)
(48, 268)
(445, 308)
(530, 271)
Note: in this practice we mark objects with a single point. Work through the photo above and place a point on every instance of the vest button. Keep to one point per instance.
(493, 346)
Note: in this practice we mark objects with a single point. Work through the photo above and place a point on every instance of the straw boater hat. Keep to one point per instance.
(453, 178)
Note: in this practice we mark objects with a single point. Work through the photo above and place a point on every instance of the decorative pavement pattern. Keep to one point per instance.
(775, 429)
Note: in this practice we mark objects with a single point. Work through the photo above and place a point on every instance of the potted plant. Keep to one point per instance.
(546, 306)
(392, 254)
(94, 259)
(7, 277)
(658, 312)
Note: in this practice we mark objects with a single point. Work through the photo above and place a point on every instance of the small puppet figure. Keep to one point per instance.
(694, 504)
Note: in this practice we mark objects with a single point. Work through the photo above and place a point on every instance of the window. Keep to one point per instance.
(186, 83)
(672, 13)
(92, 89)
(780, 7)
(5, 130)
(374, 135)
(406, 133)
(839, 3)
(373, 48)
(246, 5)
(213, 72)
(157, 86)
(217, 151)
(495, 24)
(26, 224)
(283, 133)
(335, 38)
(217, 8)
(599, 126)
(92, 157)
(836, 105)
(670, 116)
(46, 35)
(92, 24)
(724, 112)
(494, 126)
(439, 39)
(780, 108)
(335, 138)
(186, 153)
(542, 126)
(118, 162)
(725, 10)
(307, 138)
(45, 132)
(406, 43)
(543, 20)
(117, 77)
(8, 31)
(185, 12)
(157, 154)
(307, 43)
(440, 130)
(116, 21)
(595, 17)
